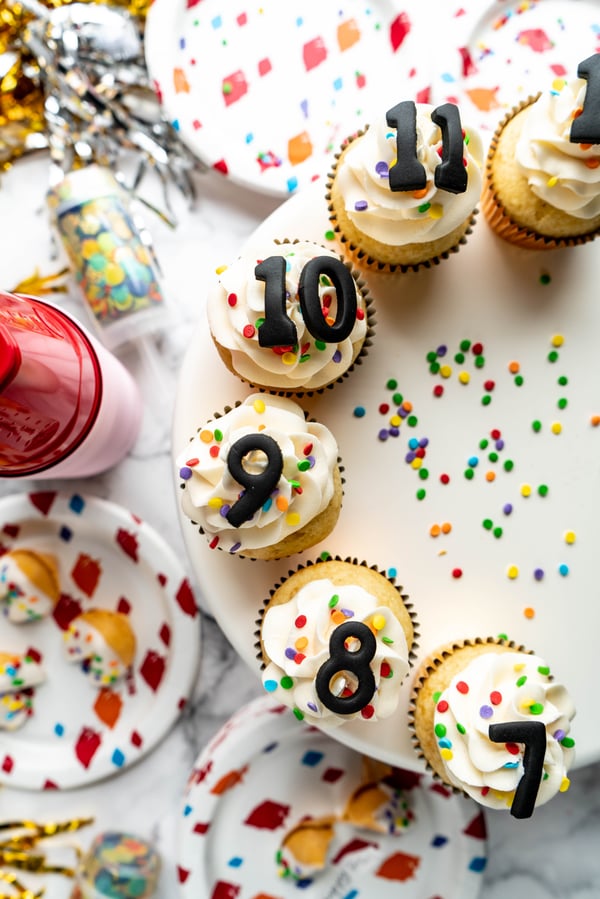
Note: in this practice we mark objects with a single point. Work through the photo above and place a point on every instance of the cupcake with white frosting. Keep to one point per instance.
(542, 185)
(485, 713)
(290, 317)
(395, 210)
(336, 641)
(261, 480)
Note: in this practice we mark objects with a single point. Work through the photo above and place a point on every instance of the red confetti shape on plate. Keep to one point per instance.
(123, 606)
(400, 866)
(86, 573)
(536, 38)
(34, 654)
(43, 501)
(136, 739)
(225, 890)
(65, 610)
(128, 543)
(50, 785)
(152, 669)
(233, 87)
(87, 745)
(201, 827)
(354, 845)
(399, 28)
(182, 874)
(314, 53)
(11, 530)
(268, 815)
(7, 764)
(165, 634)
(185, 599)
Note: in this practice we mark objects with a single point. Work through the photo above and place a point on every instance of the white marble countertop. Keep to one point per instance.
(550, 855)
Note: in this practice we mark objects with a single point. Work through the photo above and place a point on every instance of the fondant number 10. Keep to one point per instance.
(278, 329)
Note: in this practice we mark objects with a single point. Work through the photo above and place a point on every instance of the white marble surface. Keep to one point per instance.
(551, 855)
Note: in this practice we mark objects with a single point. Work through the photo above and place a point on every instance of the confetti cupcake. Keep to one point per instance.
(103, 642)
(394, 208)
(489, 720)
(262, 481)
(29, 584)
(18, 675)
(290, 317)
(336, 640)
(542, 181)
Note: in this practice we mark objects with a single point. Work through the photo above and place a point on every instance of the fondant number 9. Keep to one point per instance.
(342, 660)
(258, 487)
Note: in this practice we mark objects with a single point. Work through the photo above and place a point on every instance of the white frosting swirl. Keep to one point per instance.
(564, 174)
(501, 687)
(401, 217)
(296, 634)
(309, 453)
(237, 302)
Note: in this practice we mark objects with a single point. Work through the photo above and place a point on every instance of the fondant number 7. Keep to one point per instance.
(533, 735)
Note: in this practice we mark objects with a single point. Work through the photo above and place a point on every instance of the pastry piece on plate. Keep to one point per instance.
(302, 854)
(104, 643)
(18, 675)
(377, 804)
(29, 584)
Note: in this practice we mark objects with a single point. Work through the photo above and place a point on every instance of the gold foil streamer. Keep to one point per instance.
(39, 285)
(14, 851)
(21, 96)
(21, 891)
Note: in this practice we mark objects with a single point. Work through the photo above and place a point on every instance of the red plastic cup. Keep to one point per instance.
(68, 408)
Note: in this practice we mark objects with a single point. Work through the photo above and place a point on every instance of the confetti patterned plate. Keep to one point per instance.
(263, 772)
(107, 558)
(482, 407)
(496, 53)
(266, 92)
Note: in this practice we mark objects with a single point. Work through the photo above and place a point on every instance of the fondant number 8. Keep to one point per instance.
(342, 660)
(278, 329)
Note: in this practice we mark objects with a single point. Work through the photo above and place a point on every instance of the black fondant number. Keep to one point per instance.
(585, 129)
(450, 174)
(408, 173)
(310, 302)
(342, 660)
(278, 329)
(258, 487)
(533, 735)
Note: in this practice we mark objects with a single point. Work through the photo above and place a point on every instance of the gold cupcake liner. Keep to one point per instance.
(240, 555)
(495, 213)
(370, 320)
(432, 663)
(352, 561)
(360, 257)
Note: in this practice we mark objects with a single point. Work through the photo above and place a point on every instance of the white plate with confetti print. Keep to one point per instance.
(263, 772)
(494, 54)
(107, 558)
(502, 562)
(265, 93)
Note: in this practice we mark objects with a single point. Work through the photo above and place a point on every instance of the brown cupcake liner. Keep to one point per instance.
(239, 555)
(370, 320)
(430, 664)
(352, 561)
(360, 257)
(495, 213)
